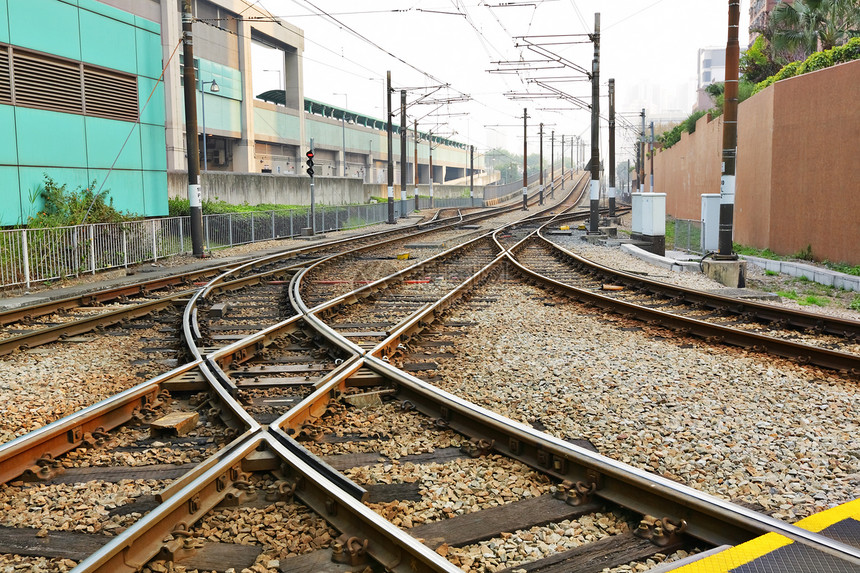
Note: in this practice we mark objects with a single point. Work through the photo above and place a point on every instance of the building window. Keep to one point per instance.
(706, 78)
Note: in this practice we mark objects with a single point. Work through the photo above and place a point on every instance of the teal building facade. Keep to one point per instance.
(75, 75)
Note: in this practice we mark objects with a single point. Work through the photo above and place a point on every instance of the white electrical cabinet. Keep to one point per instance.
(710, 222)
(653, 214)
(636, 218)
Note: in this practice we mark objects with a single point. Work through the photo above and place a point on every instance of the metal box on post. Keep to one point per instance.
(710, 222)
(636, 217)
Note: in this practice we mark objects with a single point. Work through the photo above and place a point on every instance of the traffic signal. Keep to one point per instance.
(310, 163)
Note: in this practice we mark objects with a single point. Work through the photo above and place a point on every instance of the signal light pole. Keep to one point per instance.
(551, 161)
(415, 165)
(390, 156)
(525, 160)
(310, 170)
(403, 160)
(595, 130)
(611, 193)
(540, 166)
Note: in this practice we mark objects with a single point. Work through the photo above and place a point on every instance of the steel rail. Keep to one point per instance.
(802, 320)
(708, 518)
(710, 332)
(54, 333)
(18, 314)
(220, 478)
(35, 450)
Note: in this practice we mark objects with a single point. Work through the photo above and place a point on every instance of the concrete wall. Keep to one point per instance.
(260, 188)
(439, 191)
(797, 153)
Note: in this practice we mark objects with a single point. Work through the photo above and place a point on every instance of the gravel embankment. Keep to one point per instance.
(46, 383)
(742, 426)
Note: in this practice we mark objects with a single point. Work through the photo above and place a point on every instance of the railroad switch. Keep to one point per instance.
(661, 532)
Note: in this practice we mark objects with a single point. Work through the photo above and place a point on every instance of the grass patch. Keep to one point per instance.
(843, 268)
(790, 294)
(811, 299)
(753, 252)
(771, 273)
(855, 304)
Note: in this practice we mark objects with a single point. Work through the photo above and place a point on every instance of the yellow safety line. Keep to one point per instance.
(755, 548)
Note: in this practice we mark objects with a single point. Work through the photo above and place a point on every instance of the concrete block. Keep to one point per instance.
(611, 232)
(307, 232)
(594, 239)
(656, 244)
(176, 423)
(729, 273)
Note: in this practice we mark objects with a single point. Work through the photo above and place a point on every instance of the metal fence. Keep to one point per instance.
(687, 236)
(38, 255)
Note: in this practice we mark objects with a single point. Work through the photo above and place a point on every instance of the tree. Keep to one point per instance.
(757, 62)
(805, 26)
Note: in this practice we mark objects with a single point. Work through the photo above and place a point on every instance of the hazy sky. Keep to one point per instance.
(648, 46)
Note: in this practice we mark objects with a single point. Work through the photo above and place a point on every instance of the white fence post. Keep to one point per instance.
(154, 243)
(26, 252)
(91, 234)
(124, 247)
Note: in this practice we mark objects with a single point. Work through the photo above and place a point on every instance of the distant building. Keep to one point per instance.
(83, 98)
(711, 68)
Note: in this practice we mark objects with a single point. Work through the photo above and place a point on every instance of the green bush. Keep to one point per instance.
(817, 61)
(848, 52)
(669, 138)
(62, 207)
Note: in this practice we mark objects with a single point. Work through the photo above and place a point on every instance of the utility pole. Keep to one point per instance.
(652, 157)
(472, 175)
(551, 163)
(525, 159)
(192, 148)
(642, 155)
(611, 147)
(629, 182)
(390, 156)
(430, 149)
(540, 162)
(415, 177)
(562, 161)
(403, 159)
(595, 129)
(730, 137)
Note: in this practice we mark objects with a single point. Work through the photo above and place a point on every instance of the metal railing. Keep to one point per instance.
(37, 255)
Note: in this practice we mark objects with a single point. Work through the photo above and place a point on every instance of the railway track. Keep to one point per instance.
(298, 399)
(808, 337)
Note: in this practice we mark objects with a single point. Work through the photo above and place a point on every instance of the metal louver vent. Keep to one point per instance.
(109, 94)
(47, 83)
(5, 79)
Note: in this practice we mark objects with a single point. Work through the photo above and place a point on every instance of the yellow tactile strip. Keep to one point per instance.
(736, 556)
